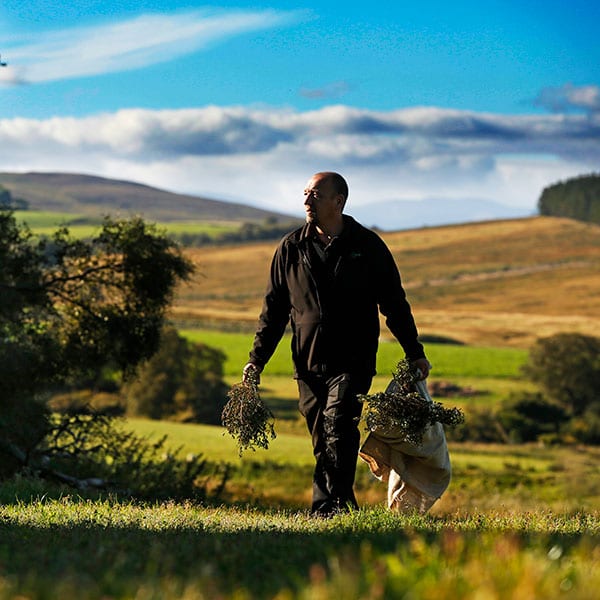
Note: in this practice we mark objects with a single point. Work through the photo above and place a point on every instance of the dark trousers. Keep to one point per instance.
(332, 411)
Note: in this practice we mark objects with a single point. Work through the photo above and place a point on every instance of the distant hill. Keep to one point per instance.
(495, 283)
(96, 196)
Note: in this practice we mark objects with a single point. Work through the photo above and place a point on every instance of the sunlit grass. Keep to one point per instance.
(75, 549)
(217, 446)
(448, 360)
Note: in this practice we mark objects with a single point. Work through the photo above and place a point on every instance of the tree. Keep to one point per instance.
(182, 381)
(567, 367)
(576, 198)
(70, 305)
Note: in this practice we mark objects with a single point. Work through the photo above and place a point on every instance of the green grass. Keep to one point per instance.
(216, 445)
(448, 360)
(80, 226)
(493, 372)
(76, 549)
(486, 477)
(42, 220)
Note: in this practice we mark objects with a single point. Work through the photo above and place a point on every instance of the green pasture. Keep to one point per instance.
(81, 226)
(491, 372)
(213, 443)
(486, 477)
(448, 360)
(42, 220)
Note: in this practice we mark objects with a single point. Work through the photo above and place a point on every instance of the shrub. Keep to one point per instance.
(182, 381)
(479, 426)
(95, 451)
(567, 367)
(527, 415)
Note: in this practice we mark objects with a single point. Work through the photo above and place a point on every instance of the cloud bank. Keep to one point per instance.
(263, 156)
(126, 45)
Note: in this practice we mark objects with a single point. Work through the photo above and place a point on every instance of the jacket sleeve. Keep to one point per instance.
(394, 306)
(275, 312)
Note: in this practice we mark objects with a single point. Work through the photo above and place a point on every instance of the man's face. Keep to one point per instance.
(321, 202)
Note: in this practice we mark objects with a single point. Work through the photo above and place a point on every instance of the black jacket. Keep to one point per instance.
(334, 313)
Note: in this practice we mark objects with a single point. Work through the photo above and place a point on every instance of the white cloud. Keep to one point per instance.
(121, 46)
(264, 156)
(568, 97)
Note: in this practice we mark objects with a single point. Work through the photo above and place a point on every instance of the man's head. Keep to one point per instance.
(325, 195)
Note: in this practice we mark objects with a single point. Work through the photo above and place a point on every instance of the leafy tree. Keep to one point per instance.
(182, 381)
(567, 367)
(70, 305)
(526, 416)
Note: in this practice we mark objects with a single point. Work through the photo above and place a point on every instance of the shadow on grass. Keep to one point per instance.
(117, 561)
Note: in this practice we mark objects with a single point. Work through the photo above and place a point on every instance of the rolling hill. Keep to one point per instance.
(96, 196)
(495, 283)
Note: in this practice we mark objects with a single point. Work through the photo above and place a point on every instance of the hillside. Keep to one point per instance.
(95, 196)
(497, 283)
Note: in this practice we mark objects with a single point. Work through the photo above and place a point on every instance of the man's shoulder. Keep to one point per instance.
(362, 233)
(294, 236)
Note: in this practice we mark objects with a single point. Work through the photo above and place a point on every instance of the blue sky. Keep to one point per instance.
(244, 100)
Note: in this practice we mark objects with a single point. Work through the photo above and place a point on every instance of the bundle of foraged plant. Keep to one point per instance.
(404, 410)
(246, 417)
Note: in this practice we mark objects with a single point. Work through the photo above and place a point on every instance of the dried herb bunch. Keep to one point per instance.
(246, 417)
(403, 409)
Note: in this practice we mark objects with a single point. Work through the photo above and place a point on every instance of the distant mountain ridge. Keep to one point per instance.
(97, 196)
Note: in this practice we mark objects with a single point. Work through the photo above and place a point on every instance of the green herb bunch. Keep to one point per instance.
(403, 409)
(246, 417)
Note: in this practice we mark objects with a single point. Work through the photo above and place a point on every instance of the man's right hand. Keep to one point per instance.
(247, 369)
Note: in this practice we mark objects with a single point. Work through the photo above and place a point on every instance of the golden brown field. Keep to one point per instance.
(497, 283)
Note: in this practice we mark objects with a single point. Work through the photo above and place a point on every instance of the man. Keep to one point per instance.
(331, 278)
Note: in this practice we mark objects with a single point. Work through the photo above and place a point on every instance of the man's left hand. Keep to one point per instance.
(423, 365)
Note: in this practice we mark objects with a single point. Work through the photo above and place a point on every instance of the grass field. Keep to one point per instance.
(448, 360)
(81, 226)
(518, 522)
(494, 284)
(76, 549)
(485, 476)
(492, 372)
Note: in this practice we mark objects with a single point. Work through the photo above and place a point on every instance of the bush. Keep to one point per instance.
(479, 426)
(95, 451)
(567, 367)
(183, 381)
(527, 415)
(586, 429)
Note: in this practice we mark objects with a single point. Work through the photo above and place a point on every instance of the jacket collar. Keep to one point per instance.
(308, 229)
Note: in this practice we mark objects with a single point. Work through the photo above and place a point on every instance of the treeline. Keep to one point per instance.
(577, 198)
(248, 232)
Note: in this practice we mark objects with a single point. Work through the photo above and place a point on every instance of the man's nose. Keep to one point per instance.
(308, 199)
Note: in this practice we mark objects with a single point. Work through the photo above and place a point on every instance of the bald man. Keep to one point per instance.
(330, 279)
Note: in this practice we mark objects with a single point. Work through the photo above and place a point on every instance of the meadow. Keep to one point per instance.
(517, 522)
(82, 226)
